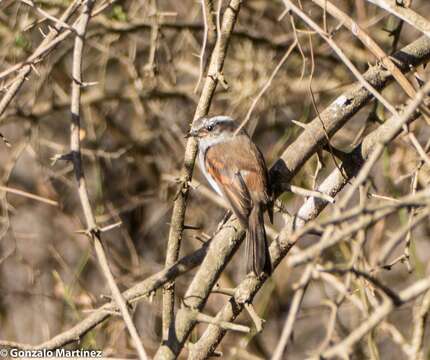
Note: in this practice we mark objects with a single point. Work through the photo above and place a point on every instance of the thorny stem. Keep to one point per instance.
(75, 146)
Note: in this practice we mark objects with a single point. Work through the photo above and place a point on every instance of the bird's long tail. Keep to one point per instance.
(257, 250)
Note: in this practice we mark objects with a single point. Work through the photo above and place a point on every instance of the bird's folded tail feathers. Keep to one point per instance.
(257, 250)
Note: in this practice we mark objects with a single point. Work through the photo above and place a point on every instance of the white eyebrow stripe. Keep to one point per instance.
(220, 118)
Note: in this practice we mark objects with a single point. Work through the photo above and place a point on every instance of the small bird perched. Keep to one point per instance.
(236, 170)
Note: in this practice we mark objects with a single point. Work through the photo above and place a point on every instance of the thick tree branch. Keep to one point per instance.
(313, 138)
(408, 15)
(179, 207)
(312, 207)
(340, 111)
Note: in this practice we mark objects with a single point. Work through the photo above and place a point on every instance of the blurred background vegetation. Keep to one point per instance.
(141, 59)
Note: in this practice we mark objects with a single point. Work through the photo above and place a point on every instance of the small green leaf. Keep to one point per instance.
(21, 42)
(118, 13)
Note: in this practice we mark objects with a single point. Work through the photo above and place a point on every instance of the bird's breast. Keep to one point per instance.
(208, 177)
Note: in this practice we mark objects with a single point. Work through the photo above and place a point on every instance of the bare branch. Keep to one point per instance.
(406, 14)
(179, 207)
(75, 146)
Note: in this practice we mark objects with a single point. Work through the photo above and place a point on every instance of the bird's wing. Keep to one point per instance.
(230, 182)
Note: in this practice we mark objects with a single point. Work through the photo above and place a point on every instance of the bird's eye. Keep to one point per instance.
(210, 127)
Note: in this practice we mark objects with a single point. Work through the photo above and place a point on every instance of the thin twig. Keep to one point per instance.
(179, 207)
(377, 316)
(25, 70)
(388, 136)
(266, 85)
(406, 14)
(28, 195)
(75, 146)
(292, 314)
(341, 55)
(205, 39)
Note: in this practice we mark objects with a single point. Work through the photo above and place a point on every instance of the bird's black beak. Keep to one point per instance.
(192, 133)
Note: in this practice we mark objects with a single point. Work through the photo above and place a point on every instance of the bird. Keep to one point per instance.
(235, 168)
